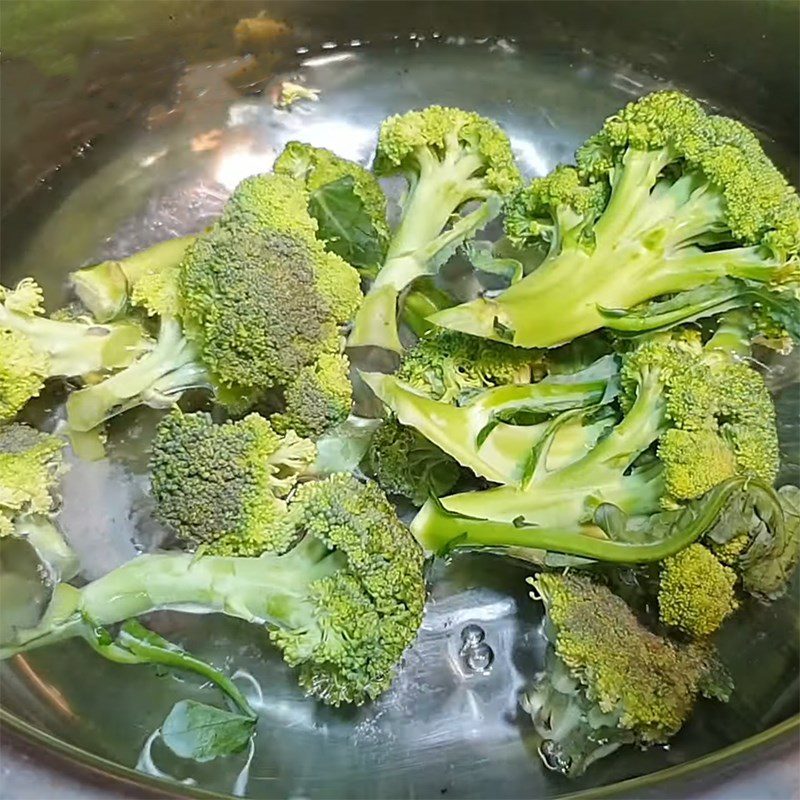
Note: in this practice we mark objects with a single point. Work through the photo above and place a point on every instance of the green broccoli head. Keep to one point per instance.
(342, 606)
(319, 397)
(696, 591)
(448, 365)
(449, 158)
(261, 296)
(23, 370)
(610, 680)
(30, 466)
(668, 210)
(261, 306)
(221, 486)
(404, 462)
(719, 414)
(409, 142)
(556, 208)
(365, 613)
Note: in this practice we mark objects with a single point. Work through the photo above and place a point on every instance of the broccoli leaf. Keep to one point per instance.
(482, 257)
(201, 732)
(342, 448)
(345, 224)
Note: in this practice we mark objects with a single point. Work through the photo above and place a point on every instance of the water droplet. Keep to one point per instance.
(472, 635)
(478, 658)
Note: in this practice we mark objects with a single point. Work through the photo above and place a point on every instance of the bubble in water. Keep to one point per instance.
(472, 635)
(476, 655)
(479, 658)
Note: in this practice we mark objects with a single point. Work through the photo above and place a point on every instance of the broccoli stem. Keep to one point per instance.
(438, 530)
(421, 244)
(156, 379)
(458, 430)
(561, 500)
(77, 348)
(104, 288)
(270, 590)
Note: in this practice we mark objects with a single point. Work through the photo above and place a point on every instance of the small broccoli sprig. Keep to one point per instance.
(608, 680)
(221, 487)
(31, 466)
(678, 395)
(319, 398)
(341, 606)
(108, 289)
(403, 462)
(34, 348)
(449, 158)
(449, 366)
(497, 432)
(696, 591)
(253, 302)
(665, 200)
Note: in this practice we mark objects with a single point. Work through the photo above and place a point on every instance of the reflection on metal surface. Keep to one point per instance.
(53, 696)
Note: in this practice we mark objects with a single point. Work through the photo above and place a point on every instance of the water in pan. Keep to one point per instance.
(451, 724)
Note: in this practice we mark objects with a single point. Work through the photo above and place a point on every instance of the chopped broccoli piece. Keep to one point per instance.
(34, 348)
(610, 681)
(341, 606)
(403, 462)
(449, 158)
(670, 382)
(107, 289)
(319, 397)
(253, 302)
(696, 591)
(292, 93)
(31, 466)
(221, 486)
(261, 296)
(482, 435)
(665, 200)
(448, 365)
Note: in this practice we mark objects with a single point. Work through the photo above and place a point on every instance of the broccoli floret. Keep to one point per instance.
(263, 304)
(345, 199)
(665, 201)
(447, 365)
(696, 591)
(498, 431)
(403, 462)
(253, 302)
(31, 466)
(221, 486)
(669, 382)
(342, 606)
(319, 397)
(34, 348)
(449, 158)
(146, 278)
(609, 681)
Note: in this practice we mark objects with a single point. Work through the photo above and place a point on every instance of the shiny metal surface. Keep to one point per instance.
(162, 162)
